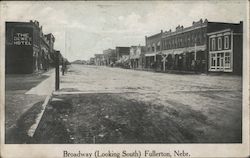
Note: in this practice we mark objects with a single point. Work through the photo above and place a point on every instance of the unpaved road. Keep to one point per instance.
(127, 106)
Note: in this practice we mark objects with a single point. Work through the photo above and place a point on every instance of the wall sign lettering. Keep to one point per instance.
(22, 39)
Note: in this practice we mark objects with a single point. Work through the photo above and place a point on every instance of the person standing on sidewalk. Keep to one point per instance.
(64, 67)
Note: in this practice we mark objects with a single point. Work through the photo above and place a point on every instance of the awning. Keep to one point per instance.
(183, 50)
(135, 57)
(150, 54)
(123, 59)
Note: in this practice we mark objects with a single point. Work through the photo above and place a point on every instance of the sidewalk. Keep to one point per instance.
(22, 93)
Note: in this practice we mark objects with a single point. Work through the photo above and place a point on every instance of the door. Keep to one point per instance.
(220, 62)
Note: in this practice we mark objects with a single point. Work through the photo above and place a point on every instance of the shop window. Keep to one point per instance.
(227, 60)
(212, 61)
(219, 43)
(226, 42)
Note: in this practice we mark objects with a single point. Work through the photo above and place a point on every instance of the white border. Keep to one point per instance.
(196, 150)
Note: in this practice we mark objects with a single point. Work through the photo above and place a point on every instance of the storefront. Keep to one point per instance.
(221, 61)
(221, 51)
(150, 60)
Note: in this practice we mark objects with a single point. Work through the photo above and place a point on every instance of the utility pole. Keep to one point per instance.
(195, 51)
(57, 63)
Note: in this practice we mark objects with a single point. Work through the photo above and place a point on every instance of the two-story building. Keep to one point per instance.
(153, 49)
(51, 39)
(225, 49)
(27, 49)
(137, 57)
(187, 49)
(109, 57)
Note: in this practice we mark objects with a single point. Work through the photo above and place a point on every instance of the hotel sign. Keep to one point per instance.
(22, 39)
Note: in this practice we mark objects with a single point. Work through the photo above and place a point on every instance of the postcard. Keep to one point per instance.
(124, 79)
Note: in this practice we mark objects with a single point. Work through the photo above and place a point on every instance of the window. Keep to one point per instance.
(158, 46)
(219, 43)
(9, 38)
(226, 42)
(212, 61)
(220, 61)
(227, 60)
(213, 44)
(149, 48)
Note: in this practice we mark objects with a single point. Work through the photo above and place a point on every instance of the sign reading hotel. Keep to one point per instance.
(22, 39)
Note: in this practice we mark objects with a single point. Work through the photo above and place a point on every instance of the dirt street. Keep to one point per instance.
(113, 105)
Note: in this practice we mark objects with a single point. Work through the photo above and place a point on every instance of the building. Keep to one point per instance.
(99, 59)
(153, 49)
(122, 55)
(186, 49)
(27, 49)
(109, 57)
(121, 51)
(91, 61)
(44, 53)
(225, 49)
(51, 41)
(137, 59)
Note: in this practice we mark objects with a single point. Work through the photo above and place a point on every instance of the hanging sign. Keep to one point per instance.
(22, 39)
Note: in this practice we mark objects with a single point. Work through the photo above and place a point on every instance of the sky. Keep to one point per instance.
(84, 28)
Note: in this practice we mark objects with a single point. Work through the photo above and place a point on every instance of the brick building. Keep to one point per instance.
(137, 57)
(153, 49)
(186, 49)
(27, 48)
(225, 49)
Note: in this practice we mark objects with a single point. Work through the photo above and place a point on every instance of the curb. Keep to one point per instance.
(33, 128)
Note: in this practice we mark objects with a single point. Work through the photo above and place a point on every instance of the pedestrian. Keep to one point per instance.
(64, 67)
